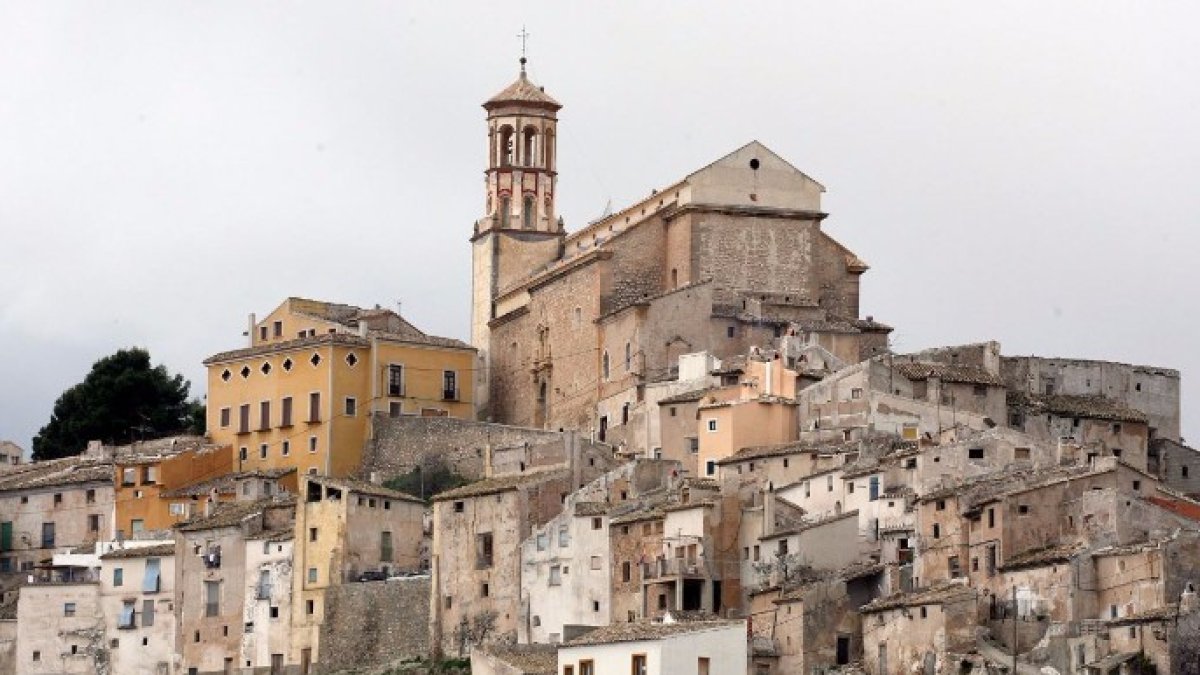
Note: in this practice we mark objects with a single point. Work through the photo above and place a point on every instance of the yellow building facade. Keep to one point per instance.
(302, 393)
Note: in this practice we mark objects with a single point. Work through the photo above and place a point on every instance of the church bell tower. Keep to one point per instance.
(520, 230)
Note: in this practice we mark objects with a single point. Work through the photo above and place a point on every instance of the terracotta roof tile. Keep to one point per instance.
(363, 487)
(165, 550)
(1094, 407)
(523, 91)
(497, 484)
(640, 631)
(948, 373)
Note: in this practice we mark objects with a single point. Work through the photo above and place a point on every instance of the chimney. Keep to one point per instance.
(250, 329)
(768, 510)
(375, 478)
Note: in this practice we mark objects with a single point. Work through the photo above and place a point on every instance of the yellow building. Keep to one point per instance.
(302, 393)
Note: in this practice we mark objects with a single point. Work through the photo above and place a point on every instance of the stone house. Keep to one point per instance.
(478, 530)
(1176, 465)
(675, 388)
(820, 544)
(1152, 390)
(137, 601)
(270, 602)
(210, 581)
(566, 565)
(896, 395)
(345, 528)
(923, 629)
(189, 501)
(697, 567)
(1101, 427)
(706, 647)
(60, 623)
(814, 623)
(11, 454)
(53, 506)
(781, 464)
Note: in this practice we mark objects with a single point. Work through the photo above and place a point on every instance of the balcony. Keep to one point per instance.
(674, 567)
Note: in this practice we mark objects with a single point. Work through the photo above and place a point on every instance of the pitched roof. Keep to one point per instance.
(1065, 405)
(164, 550)
(640, 631)
(686, 397)
(532, 659)
(937, 595)
(1040, 557)
(363, 487)
(231, 514)
(505, 483)
(227, 484)
(56, 473)
(948, 373)
(821, 447)
(523, 91)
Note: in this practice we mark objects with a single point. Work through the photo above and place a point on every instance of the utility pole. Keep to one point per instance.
(1014, 633)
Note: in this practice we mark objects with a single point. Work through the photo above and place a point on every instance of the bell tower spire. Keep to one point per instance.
(521, 172)
(520, 230)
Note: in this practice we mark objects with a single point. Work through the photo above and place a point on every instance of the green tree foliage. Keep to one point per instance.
(122, 399)
(431, 476)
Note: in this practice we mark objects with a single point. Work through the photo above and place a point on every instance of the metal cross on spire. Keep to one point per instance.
(524, 35)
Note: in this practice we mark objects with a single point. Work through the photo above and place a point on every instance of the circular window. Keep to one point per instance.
(754, 164)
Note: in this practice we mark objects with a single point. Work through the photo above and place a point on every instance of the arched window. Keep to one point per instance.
(527, 154)
(505, 210)
(527, 212)
(604, 365)
(548, 150)
(506, 145)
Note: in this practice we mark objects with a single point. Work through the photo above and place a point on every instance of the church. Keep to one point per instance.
(572, 326)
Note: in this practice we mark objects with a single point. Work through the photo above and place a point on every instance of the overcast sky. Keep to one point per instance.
(1024, 171)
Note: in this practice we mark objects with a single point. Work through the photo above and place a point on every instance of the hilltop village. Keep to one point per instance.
(672, 445)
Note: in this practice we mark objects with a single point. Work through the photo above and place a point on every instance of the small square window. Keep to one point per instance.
(458, 507)
(226, 375)
(351, 406)
(712, 425)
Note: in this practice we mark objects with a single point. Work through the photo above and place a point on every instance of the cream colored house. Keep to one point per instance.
(137, 600)
(652, 648)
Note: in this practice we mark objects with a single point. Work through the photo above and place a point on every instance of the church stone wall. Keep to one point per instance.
(748, 252)
(637, 264)
(571, 352)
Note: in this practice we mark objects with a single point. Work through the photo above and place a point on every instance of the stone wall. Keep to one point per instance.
(400, 443)
(374, 622)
